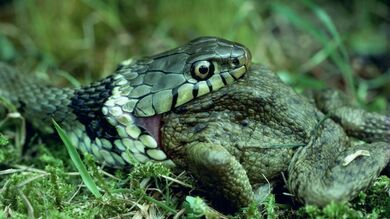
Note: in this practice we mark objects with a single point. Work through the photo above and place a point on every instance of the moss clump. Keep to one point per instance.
(374, 203)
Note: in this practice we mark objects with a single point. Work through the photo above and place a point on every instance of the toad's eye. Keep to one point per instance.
(202, 70)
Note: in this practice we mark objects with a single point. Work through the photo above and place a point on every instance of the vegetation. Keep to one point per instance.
(311, 44)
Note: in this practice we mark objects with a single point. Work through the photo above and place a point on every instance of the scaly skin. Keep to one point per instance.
(245, 134)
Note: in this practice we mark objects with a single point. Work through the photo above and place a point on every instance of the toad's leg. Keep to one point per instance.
(367, 126)
(220, 172)
(329, 168)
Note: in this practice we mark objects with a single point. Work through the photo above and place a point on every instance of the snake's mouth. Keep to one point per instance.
(152, 125)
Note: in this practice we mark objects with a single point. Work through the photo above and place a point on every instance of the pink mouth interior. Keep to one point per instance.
(152, 125)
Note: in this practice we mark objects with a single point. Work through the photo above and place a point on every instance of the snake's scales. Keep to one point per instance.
(116, 118)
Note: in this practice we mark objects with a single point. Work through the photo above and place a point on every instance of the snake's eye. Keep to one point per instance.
(202, 70)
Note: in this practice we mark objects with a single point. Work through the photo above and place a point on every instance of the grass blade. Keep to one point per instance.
(87, 179)
(338, 55)
(344, 62)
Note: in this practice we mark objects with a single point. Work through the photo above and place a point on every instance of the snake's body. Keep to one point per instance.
(116, 118)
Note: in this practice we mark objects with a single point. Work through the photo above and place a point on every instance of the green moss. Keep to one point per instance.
(8, 152)
(376, 200)
(3, 140)
(332, 210)
(149, 170)
(374, 203)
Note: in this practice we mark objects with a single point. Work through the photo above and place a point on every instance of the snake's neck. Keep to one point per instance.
(86, 104)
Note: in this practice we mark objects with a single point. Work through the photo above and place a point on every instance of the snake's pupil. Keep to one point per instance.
(203, 69)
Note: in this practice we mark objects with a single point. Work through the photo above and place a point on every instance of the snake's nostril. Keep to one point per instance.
(236, 62)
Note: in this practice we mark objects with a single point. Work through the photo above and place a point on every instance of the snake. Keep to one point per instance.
(117, 119)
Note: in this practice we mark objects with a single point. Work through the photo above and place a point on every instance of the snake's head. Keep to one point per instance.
(170, 79)
(158, 84)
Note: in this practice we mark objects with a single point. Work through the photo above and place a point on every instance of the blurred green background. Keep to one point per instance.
(342, 44)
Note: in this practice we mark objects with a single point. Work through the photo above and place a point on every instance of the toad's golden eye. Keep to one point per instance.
(202, 70)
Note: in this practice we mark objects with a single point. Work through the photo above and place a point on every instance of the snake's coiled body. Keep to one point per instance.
(116, 119)
(36, 101)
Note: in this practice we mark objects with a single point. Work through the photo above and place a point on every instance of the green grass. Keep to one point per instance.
(332, 46)
(311, 46)
(74, 155)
